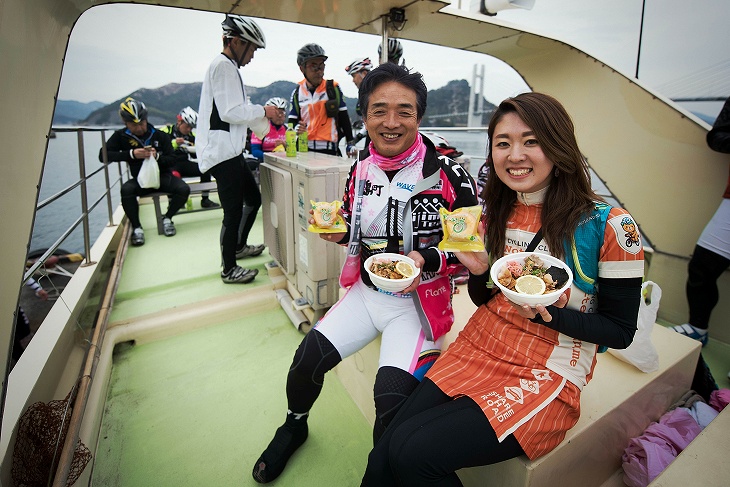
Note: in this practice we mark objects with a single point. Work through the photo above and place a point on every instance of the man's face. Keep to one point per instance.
(358, 77)
(313, 70)
(392, 118)
(238, 46)
(279, 117)
(137, 129)
(184, 128)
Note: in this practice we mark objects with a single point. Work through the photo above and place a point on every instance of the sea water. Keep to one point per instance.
(60, 170)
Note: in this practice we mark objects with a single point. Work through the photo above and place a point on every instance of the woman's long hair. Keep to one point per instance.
(569, 195)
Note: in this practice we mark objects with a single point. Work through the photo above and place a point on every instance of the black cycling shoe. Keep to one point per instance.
(137, 237)
(250, 251)
(288, 438)
(239, 275)
(208, 203)
(168, 227)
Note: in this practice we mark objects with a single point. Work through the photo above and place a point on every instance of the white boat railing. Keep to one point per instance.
(86, 208)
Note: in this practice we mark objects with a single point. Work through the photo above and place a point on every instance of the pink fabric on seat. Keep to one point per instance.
(649, 454)
(719, 399)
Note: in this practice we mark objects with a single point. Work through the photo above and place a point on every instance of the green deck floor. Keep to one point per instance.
(198, 408)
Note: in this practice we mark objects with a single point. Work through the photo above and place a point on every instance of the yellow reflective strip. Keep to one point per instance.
(578, 269)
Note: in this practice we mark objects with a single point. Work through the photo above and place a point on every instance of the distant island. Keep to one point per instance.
(165, 102)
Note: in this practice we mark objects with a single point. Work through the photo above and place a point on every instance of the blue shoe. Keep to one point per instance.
(692, 332)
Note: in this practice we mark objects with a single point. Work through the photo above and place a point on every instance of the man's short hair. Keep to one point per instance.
(400, 74)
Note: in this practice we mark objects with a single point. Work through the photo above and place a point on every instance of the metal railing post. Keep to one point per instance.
(84, 199)
(105, 160)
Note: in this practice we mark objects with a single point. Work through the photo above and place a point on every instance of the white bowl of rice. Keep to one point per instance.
(521, 277)
(387, 264)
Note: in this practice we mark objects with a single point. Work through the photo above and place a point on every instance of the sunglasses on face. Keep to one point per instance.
(316, 66)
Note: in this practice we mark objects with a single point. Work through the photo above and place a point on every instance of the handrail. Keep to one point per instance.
(91, 361)
(83, 219)
(99, 329)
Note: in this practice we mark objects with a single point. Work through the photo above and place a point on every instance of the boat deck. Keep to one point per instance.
(197, 408)
(196, 388)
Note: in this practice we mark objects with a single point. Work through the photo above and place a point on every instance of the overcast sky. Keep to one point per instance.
(117, 49)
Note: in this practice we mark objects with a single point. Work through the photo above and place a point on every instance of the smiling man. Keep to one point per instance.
(391, 205)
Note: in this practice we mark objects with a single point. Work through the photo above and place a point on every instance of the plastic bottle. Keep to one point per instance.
(303, 142)
(291, 141)
(189, 204)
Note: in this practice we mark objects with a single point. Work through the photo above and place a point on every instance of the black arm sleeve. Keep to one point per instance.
(614, 322)
(167, 156)
(116, 150)
(719, 137)
(477, 288)
(343, 122)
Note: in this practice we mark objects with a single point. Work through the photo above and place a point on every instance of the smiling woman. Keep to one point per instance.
(464, 400)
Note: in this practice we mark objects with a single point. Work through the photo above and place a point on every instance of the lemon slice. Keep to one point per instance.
(529, 284)
(405, 269)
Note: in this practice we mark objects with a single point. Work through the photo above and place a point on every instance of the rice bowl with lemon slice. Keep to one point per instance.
(531, 288)
(400, 269)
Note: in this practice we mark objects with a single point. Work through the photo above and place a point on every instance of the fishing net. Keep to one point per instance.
(41, 433)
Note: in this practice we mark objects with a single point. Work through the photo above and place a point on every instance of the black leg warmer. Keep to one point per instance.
(392, 388)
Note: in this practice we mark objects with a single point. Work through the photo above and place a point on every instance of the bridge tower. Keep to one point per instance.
(474, 118)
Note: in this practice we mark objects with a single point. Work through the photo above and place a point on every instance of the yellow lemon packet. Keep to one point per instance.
(461, 233)
(327, 218)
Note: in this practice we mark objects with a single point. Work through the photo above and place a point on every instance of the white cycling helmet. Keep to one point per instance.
(189, 116)
(395, 50)
(246, 29)
(277, 102)
(359, 64)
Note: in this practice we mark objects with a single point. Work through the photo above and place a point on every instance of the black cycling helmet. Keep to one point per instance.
(395, 50)
(310, 51)
(246, 29)
(132, 110)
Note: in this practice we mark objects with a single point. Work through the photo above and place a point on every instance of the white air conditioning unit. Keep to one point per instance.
(276, 197)
(287, 186)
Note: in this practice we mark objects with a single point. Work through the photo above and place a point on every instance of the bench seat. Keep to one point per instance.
(195, 188)
(618, 404)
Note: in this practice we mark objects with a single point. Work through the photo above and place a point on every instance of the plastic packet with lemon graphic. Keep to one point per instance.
(460, 228)
(327, 218)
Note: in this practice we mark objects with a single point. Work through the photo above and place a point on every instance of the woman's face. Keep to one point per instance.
(392, 118)
(519, 161)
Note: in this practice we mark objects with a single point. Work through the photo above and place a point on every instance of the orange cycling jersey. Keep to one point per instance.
(312, 112)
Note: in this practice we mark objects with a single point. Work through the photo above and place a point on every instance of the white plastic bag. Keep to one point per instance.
(260, 127)
(149, 175)
(642, 353)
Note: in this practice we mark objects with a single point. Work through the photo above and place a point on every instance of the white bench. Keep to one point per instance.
(618, 404)
(195, 188)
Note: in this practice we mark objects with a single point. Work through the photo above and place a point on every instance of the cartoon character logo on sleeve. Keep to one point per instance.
(632, 235)
(627, 233)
